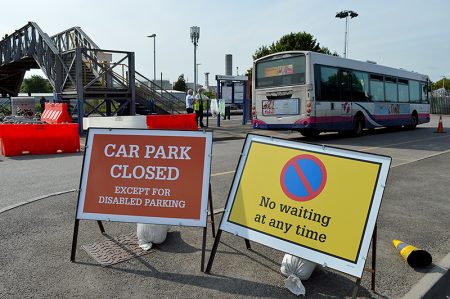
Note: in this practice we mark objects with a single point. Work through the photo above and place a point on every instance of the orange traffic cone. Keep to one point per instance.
(414, 256)
(440, 128)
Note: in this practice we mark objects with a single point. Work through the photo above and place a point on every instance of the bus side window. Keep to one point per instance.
(346, 94)
(414, 91)
(377, 88)
(329, 89)
(390, 86)
(403, 91)
(360, 86)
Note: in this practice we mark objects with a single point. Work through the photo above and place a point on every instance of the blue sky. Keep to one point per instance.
(409, 34)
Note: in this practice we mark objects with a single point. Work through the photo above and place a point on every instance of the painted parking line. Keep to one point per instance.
(223, 173)
(216, 211)
(423, 158)
(401, 143)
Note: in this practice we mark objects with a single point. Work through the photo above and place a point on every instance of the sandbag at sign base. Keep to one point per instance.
(296, 269)
(294, 284)
(149, 234)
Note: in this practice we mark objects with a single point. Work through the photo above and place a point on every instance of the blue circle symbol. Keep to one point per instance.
(303, 177)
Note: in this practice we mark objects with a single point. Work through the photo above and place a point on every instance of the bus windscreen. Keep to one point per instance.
(280, 72)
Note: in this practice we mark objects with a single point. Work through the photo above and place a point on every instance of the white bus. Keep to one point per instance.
(312, 93)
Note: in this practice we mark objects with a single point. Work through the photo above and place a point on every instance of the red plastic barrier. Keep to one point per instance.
(38, 139)
(172, 122)
(56, 113)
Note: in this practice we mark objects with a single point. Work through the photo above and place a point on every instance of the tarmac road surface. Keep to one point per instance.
(36, 237)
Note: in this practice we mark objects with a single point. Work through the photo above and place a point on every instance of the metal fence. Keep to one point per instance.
(5, 106)
(440, 103)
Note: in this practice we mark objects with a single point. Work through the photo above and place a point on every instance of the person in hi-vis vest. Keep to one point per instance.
(199, 104)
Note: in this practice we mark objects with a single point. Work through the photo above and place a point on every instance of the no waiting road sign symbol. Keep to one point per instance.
(303, 177)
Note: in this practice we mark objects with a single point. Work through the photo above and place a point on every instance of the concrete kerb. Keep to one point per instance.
(35, 199)
(434, 284)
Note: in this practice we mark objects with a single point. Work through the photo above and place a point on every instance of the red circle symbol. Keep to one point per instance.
(303, 177)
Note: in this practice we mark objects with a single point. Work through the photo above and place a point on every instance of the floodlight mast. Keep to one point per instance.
(195, 35)
(344, 15)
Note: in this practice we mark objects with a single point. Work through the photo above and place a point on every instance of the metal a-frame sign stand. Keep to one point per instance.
(238, 223)
(102, 230)
(372, 270)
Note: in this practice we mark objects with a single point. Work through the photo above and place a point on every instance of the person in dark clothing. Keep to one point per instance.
(42, 101)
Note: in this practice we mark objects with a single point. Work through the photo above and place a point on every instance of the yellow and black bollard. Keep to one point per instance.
(414, 256)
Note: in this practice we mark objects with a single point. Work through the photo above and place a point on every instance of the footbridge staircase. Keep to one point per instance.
(92, 80)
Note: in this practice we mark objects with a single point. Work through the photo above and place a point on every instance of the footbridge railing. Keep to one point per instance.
(30, 47)
(31, 42)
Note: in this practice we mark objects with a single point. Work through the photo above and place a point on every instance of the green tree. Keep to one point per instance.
(444, 82)
(293, 41)
(36, 84)
(180, 84)
(210, 94)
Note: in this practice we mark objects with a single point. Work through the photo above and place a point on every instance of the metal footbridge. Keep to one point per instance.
(93, 81)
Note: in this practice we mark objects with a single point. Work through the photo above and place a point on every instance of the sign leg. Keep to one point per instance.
(100, 226)
(247, 244)
(202, 266)
(374, 256)
(211, 210)
(74, 240)
(356, 288)
(213, 251)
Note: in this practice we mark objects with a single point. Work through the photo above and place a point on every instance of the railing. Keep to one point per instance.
(164, 99)
(73, 38)
(105, 72)
(68, 40)
(440, 103)
(56, 56)
(31, 41)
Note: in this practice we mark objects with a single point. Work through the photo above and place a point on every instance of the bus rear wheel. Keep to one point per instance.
(358, 125)
(309, 133)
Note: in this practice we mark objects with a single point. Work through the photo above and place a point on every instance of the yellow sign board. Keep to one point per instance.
(315, 200)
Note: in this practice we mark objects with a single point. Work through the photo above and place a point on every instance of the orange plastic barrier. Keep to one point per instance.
(56, 113)
(172, 122)
(38, 139)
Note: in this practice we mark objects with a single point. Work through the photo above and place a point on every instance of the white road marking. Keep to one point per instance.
(223, 173)
(216, 211)
(400, 143)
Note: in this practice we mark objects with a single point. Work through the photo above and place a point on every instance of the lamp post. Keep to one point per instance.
(344, 15)
(154, 56)
(196, 73)
(195, 35)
